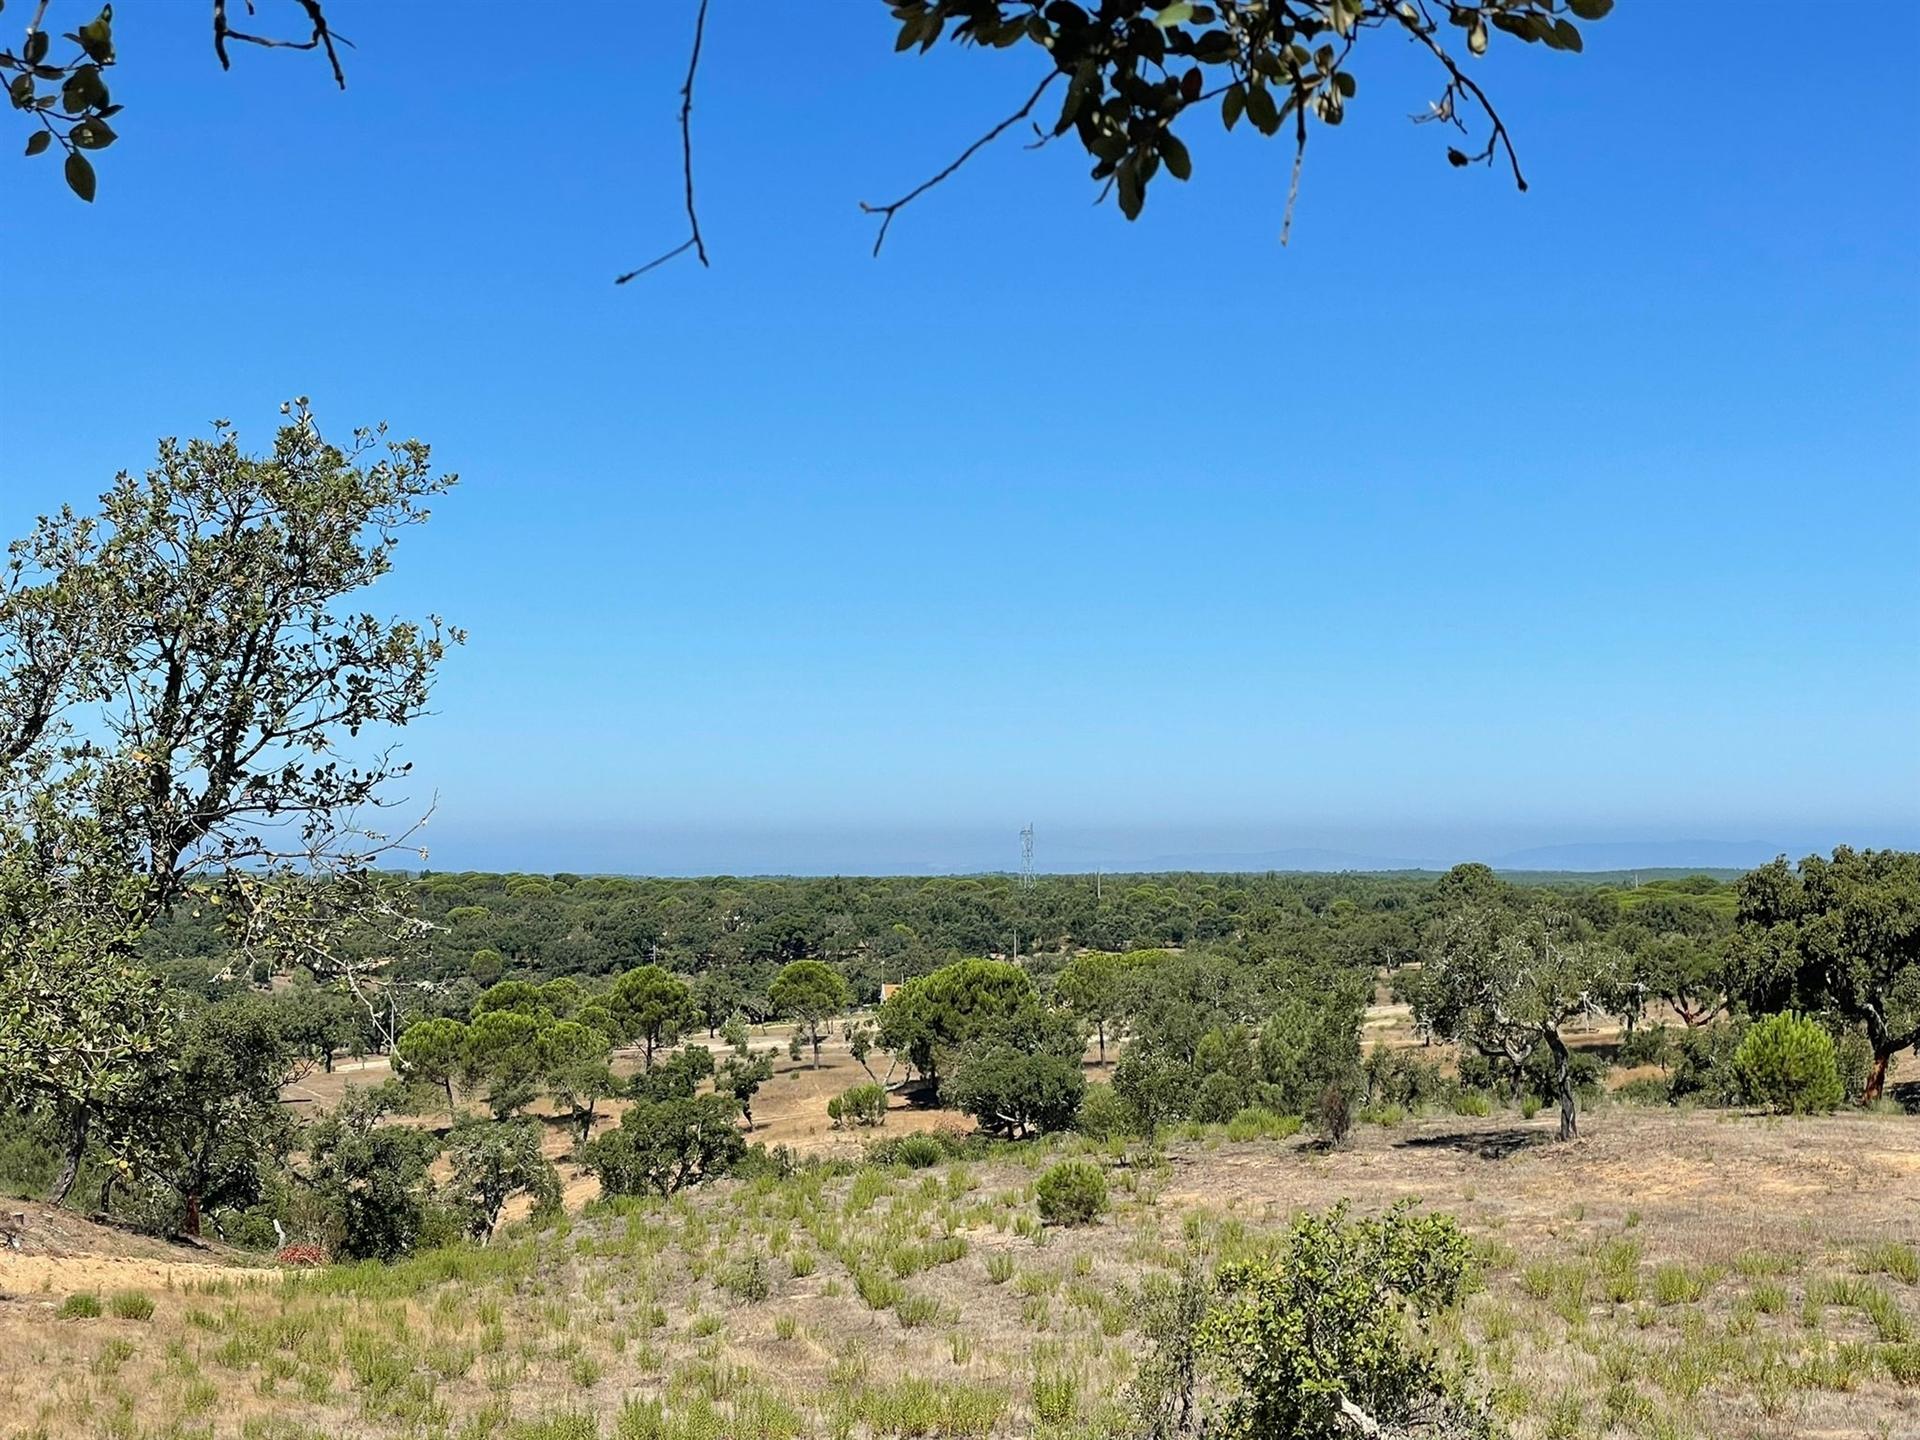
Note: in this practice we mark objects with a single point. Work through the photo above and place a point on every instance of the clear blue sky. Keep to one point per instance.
(1471, 520)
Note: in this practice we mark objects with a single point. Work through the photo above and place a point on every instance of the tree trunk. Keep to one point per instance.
(77, 1128)
(1569, 1110)
(1876, 1076)
(191, 1225)
(452, 1118)
(1101, 1029)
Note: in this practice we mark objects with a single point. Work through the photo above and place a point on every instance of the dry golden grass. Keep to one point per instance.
(1675, 1274)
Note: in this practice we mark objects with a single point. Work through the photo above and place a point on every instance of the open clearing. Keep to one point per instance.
(1675, 1274)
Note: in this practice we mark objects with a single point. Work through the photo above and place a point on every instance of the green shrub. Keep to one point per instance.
(916, 1152)
(81, 1306)
(1647, 1045)
(862, 1105)
(131, 1305)
(1332, 1313)
(1786, 1062)
(1646, 1090)
(747, 1281)
(1073, 1192)
(1256, 1122)
(1703, 1064)
(1103, 1115)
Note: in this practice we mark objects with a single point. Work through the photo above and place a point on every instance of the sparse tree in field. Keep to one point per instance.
(741, 1075)
(369, 1178)
(1688, 972)
(319, 1022)
(675, 1078)
(956, 1005)
(1017, 1093)
(574, 1067)
(717, 996)
(211, 1124)
(1505, 979)
(662, 1146)
(811, 993)
(736, 1034)
(1091, 986)
(180, 678)
(1840, 934)
(505, 1056)
(493, 1161)
(861, 1038)
(437, 1052)
(652, 1006)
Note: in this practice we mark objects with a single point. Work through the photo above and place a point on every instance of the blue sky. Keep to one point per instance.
(1469, 521)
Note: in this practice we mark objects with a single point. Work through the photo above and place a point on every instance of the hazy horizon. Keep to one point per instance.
(931, 850)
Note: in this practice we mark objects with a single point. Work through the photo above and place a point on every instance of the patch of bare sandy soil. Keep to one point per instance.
(47, 1254)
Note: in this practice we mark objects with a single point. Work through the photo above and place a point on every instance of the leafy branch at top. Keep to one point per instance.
(73, 110)
(1134, 71)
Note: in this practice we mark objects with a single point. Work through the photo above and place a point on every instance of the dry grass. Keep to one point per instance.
(1677, 1274)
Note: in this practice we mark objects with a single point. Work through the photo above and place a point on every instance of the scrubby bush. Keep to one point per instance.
(1222, 1095)
(1103, 1115)
(918, 1152)
(1333, 1113)
(1400, 1077)
(81, 1306)
(1256, 1122)
(1702, 1070)
(663, 1146)
(1853, 1057)
(1647, 1045)
(1330, 1318)
(1073, 1192)
(1786, 1063)
(862, 1105)
(131, 1305)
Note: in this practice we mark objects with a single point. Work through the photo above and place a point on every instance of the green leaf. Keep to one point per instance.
(1261, 110)
(1568, 35)
(1477, 36)
(35, 50)
(1233, 105)
(1127, 186)
(80, 176)
(21, 91)
(1174, 151)
(1590, 9)
(1178, 13)
(92, 134)
(38, 141)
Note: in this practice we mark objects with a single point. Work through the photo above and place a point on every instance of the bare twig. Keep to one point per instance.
(1447, 110)
(322, 38)
(694, 242)
(887, 212)
(1299, 161)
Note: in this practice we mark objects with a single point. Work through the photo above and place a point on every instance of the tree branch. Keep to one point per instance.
(321, 38)
(887, 212)
(694, 242)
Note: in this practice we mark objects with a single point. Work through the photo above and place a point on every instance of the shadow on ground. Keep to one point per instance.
(1486, 1144)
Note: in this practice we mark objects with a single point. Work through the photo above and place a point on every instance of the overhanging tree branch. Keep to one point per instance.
(322, 38)
(887, 212)
(694, 241)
